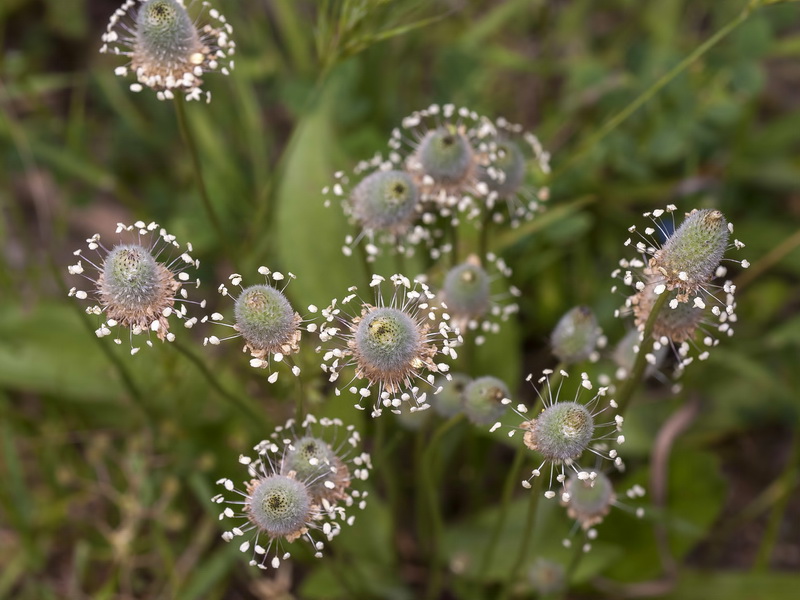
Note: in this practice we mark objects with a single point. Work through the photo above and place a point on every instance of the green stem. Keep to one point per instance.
(572, 567)
(637, 103)
(483, 239)
(500, 522)
(428, 474)
(212, 380)
(527, 533)
(191, 144)
(788, 480)
(639, 367)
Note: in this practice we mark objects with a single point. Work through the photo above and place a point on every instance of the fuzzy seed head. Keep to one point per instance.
(279, 505)
(511, 163)
(445, 155)
(466, 291)
(483, 400)
(315, 462)
(385, 201)
(164, 30)
(386, 340)
(690, 257)
(131, 277)
(450, 401)
(561, 432)
(576, 335)
(264, 317)
(590, 499)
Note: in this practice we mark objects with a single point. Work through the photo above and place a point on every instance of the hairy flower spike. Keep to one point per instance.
(697, 309)
(132, 287)
(690, 256)
(265, 320)
(168, 51)
(485, 400)
(576, 335)
(391, 345)
(385, 201)
(445, 155)
(565, 430)
(299, 487)
(467, 294)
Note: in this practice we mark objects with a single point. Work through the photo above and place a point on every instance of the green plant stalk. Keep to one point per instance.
(639, 367)
(212, 380)
(511, 478)
(527, 533)
(788, 479)
(500, 522)
(428, 473)
(191, 144)
(645, 96)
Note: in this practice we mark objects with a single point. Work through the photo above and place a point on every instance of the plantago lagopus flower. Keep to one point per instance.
(576, 336)
(685, 268)
(392, 345)
(467, 294)
(299, 487)
(168, 50)
(485, 400)
(264, 319)
(564, 430)
(137, 285)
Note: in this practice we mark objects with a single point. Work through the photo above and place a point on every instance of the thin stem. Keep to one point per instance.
(191, 144)
(428, 473)
(640, 100)
(500, 522)
(527, 532)
(639, 367)
(574, 561)
(483, 240)
(212, 380)
(788, 480)
(454, 239)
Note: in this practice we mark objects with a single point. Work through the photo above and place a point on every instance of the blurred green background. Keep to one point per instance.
(107, 462)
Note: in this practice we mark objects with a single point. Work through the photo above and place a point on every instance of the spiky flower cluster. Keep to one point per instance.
(589, 500)
(168, 50)
(264, 319)
(392, 344)
(300, 486)
(564, 430)
(444, 164)
(576, 336)
(467, 294)
(685, 267)
(137, 284)
(485, 400)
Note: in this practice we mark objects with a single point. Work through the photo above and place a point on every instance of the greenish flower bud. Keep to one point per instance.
(385, 201)
(690, 257)
(265, 318)
(561, 432)
(576, 335)
(466, 291)
(485, 400)
(446, 156)
(588, 500)
(280, 506)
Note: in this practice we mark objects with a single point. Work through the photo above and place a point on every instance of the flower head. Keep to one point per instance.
(485, 400)
(137, 283)
(515, 157)
(384, 202)
(392, 346)
(576, 336)
(566, 430)
(588, 500)
(467, 294)
(168, 49)
(685, 267)
(264, 319)
(299, 487)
